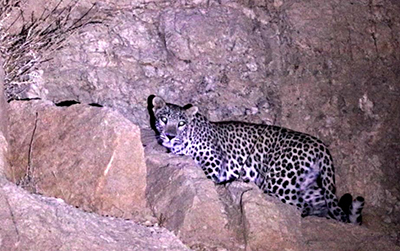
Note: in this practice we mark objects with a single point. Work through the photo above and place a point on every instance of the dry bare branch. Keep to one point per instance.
(36, 41)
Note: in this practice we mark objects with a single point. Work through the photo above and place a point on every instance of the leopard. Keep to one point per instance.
(294, 167)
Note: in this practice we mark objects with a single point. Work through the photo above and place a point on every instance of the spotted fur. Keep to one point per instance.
(295, 167)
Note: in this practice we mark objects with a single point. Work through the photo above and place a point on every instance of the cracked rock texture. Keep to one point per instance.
(327, 68)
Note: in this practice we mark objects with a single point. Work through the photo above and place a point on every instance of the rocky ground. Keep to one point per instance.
(78, 128)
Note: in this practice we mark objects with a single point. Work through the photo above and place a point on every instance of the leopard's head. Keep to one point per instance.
(172, 122)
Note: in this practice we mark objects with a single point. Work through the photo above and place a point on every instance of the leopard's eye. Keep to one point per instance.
(164, 119)
(181, 123)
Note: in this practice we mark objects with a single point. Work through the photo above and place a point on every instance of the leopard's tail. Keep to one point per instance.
(355, 210)
(352, 208)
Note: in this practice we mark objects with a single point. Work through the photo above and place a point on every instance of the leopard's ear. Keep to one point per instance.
(158, 103)
(191, 111)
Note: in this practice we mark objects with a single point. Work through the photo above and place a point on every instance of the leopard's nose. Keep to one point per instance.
(170, 136)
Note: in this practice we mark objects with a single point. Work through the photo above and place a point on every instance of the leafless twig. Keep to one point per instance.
(28, 181)
(36, 41)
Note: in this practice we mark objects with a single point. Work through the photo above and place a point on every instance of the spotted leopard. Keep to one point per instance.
(295, 167)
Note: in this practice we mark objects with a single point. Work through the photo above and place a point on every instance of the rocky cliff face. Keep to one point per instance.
(330, 69)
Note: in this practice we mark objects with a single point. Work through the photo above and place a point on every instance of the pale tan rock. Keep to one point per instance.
(91, 157)
(270, 224)
(188, 204)
(321, 234)
(33, 222)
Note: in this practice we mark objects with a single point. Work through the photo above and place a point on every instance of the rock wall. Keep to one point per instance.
(328, 68)
(346, 94)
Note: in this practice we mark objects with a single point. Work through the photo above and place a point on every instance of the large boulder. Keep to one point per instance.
(189, 204)
(272, 225)
(90, 157)
(34, 222)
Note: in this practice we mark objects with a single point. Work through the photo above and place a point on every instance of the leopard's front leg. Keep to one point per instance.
(215, 166)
